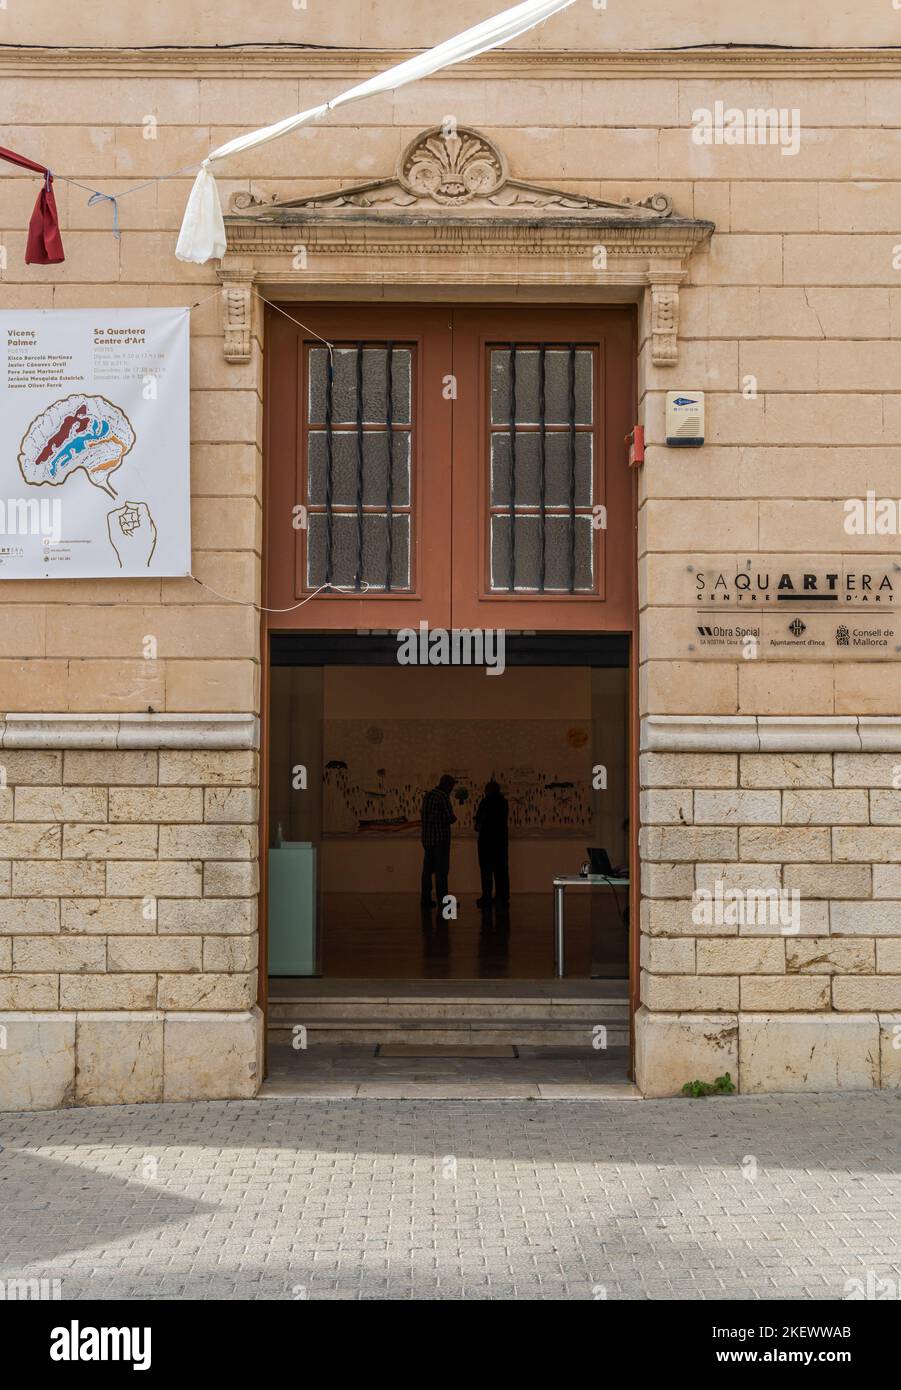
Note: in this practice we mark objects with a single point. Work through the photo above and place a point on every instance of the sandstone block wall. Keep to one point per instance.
(803, 998)
(128, 924)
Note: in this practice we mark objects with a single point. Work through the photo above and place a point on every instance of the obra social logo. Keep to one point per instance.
(77, 1343)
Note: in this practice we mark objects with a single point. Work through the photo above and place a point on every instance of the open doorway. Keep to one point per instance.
(460, 469)
(353, 752)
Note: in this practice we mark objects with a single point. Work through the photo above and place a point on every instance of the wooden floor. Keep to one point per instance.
(386, 936)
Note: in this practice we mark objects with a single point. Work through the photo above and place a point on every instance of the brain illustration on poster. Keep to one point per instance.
(90, 433)
(101, 483)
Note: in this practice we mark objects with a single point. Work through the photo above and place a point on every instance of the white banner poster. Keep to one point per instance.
(94, 447)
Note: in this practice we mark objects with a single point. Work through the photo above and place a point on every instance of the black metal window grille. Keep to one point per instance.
(542, 466)
(359, 453)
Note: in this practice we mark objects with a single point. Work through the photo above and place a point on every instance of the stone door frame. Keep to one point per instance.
(394, 241)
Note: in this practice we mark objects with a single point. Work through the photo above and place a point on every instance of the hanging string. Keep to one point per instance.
(312, 333)
(97, 195)
(263, 300)
(335, 588)
(108, 197)
(246, 603)
(45, 244)
(136, 188)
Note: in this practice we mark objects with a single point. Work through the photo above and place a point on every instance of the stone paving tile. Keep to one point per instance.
(730, 1198)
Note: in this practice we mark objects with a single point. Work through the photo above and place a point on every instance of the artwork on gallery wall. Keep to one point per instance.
(376, 775)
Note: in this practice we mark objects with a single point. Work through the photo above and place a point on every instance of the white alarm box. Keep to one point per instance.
(685, 419)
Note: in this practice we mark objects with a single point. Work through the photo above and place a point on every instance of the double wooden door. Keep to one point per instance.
(465, 467)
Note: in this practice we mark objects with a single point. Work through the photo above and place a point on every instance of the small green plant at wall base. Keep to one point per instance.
(722, 1086)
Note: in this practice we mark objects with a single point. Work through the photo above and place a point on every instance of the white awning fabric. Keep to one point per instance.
(202, 233)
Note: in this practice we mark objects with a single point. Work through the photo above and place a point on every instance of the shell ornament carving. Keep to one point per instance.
(451, 166)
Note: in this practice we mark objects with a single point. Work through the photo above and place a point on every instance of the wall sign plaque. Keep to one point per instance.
(789, 583)
(778, 608)
(94, 472)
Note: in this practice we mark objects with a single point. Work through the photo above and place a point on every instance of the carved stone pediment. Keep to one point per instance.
(444, 170)
(451, 220)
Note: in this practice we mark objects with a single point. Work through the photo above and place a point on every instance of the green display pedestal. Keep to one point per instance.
(292, 909)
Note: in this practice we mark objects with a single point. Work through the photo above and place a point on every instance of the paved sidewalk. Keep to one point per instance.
(740, 1198)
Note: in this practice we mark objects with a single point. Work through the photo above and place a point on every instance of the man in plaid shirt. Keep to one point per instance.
(437, 819)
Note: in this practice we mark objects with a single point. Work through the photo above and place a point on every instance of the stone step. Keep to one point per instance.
(471, 1031)
(401, 1010)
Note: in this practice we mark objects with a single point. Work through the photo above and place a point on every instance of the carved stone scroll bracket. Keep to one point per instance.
(664, 290)
(237, 314)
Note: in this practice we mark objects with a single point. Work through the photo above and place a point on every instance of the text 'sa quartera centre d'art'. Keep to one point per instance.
(94, 469)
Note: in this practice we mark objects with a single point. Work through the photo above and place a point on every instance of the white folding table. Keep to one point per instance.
(575, 881)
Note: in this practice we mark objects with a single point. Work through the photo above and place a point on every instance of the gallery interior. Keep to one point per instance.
(353, 751)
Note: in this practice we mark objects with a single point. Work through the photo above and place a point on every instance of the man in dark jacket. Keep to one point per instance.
(437, 819)
(491, 825)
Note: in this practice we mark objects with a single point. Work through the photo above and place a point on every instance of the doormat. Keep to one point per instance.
(445, 1050)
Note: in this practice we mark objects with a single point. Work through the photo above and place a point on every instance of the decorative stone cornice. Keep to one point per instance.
(289, 60)
(129, 731)
(703, 733)
(452, 216)
(397, 236)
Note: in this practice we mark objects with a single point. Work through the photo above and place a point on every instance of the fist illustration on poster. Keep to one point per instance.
(132, 533)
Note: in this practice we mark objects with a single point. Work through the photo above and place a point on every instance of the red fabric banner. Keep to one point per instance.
(45, 245)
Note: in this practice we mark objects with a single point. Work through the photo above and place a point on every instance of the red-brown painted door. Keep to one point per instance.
(464, 467)
(542, 494)
(358, 509)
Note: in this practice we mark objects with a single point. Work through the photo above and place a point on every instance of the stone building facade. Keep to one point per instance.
(129, 854)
